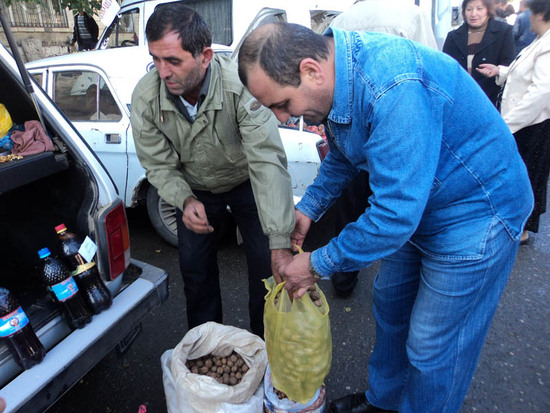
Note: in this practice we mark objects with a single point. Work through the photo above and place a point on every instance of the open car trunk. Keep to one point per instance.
(38, 192)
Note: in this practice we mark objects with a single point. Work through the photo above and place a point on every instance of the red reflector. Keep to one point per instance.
(118, 240)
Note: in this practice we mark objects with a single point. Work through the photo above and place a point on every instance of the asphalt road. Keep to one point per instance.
(512, 375)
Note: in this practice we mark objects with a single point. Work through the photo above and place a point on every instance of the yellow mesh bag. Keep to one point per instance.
(5, 121)
(298, 341)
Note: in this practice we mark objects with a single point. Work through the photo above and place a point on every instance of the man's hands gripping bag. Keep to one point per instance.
(187, 392)
(298, 341)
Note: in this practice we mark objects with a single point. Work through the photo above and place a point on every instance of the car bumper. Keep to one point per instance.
(38, 388)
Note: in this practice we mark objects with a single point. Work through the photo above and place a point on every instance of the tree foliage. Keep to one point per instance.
(89, 6)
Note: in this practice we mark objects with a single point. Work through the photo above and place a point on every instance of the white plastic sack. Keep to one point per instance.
(192, 393)
(274, 404)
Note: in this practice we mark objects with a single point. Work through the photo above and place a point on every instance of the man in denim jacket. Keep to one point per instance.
(450, 199)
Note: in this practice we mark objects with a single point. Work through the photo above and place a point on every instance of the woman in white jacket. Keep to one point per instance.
(526, 105)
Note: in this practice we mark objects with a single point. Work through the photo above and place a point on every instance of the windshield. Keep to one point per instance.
(125, 30)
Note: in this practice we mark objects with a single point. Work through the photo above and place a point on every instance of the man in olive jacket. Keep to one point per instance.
(206, 144)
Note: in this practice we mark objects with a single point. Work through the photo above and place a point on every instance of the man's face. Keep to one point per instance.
(182, 73)
(286, 101)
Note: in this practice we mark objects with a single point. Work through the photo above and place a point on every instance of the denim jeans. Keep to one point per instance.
(432, 317)
(199, 263)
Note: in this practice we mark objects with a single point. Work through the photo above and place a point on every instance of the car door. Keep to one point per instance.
(87, 98)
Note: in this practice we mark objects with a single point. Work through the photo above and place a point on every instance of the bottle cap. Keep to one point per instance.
(44, 252)
(60, 228)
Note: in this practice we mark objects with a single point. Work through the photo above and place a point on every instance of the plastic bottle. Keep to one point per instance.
(63, 289)
(94, 292)
(17, 332)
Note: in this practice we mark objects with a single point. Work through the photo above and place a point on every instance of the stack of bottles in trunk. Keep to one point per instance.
(73, 283)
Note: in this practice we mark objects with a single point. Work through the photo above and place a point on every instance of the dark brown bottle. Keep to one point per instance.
(16, 331)
(94, 292)
(63, 289)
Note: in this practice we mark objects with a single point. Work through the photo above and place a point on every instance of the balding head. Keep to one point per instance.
(278, 49)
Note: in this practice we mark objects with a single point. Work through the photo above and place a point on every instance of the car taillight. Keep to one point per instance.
(118, 240)
(322, 149)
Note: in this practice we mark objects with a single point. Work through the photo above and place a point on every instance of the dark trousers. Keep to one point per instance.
(352, 203)
(199, 263)
(86, 45)
(534, 147)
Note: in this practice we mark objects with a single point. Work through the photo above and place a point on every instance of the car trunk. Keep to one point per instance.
(37, 193)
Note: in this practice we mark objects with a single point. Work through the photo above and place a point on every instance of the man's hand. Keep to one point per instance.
(297, 275)
(303, 222)
(279, 259)
(488, 70)
(194, 216)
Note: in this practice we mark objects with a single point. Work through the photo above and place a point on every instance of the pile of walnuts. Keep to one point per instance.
(226, 370)
(313, 294)
(280, 395)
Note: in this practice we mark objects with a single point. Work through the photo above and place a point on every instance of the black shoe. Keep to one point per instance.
(354, 403)
(344, 283)
(343, 293)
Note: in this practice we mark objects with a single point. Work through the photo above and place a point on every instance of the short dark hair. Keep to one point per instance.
(490, 4)
(540, 6)
(191, 28)
(278, 49)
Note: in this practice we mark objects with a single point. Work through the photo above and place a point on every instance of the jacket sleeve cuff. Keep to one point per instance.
(278, 241)
(322, 270)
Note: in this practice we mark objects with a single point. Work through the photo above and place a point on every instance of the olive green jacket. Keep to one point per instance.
(232, 139)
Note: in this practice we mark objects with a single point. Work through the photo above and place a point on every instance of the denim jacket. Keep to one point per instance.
(444, 167)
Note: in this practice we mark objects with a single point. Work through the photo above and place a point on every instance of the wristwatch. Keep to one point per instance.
(313, 271)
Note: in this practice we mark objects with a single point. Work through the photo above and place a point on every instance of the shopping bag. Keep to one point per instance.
(5, 121)
(298, 341)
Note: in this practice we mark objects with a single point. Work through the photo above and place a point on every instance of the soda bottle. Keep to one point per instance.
(96, 295)
(94, 292)
(63, 289)
(18, 333)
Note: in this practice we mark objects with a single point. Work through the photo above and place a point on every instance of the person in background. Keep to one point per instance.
(481, 39)
(450, 199)
(504, 10)
(85, 31)
(401, 18)
(2, 405)
(523, 35)
(526, 106)
(206, 144)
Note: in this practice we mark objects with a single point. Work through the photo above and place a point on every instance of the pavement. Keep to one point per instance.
(512, 374)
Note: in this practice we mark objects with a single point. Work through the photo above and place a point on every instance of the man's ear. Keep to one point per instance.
(311, 70)
(206, 56)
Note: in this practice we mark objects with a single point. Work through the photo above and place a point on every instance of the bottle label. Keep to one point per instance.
(88, 249)
(65, 289)
(13, 322)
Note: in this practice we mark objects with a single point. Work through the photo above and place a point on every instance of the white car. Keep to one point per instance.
(94, 90)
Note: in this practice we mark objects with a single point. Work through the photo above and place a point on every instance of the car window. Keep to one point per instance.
(84, 96)
(124, 30)
(218, 16)
(38, 77)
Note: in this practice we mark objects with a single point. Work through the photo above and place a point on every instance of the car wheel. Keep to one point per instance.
(162, 216)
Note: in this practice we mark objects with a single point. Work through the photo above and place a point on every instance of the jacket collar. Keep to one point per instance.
(343, 93)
